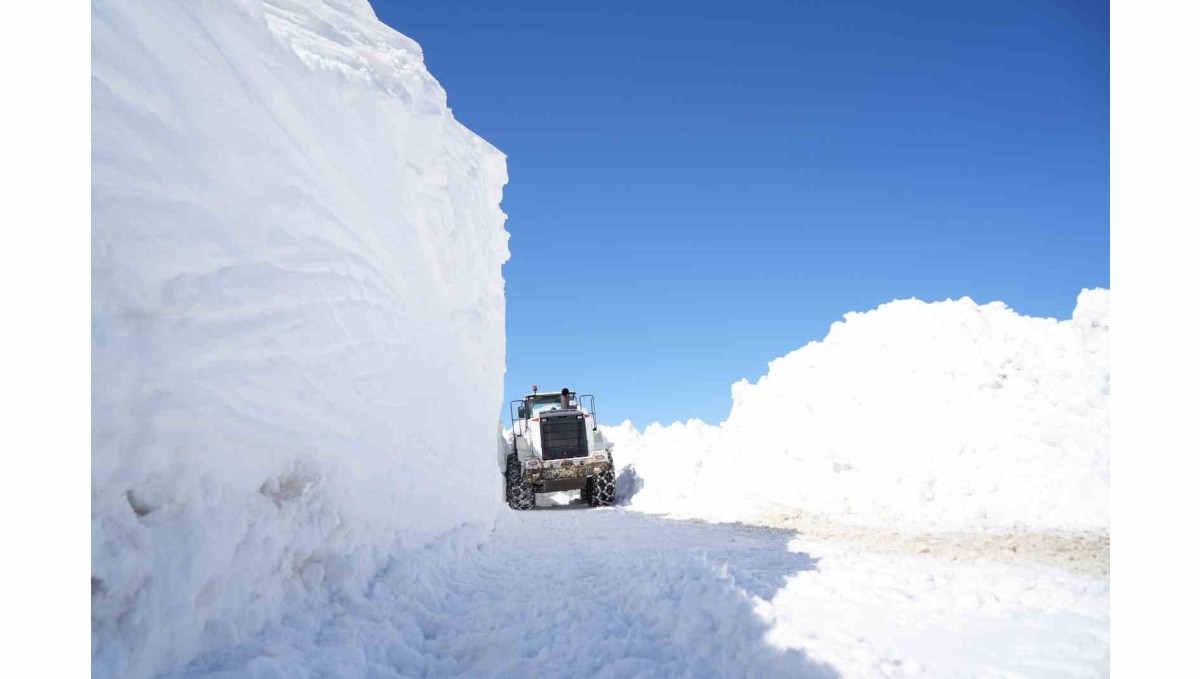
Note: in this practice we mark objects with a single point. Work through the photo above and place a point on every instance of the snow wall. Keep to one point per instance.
(298, 317)
(927, 416)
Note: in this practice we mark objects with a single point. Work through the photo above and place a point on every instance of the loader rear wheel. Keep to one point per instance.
(518, 490)
(601, 490)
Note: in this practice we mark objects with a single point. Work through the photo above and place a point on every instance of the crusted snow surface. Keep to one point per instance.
(567, 591)
(924, 416)
(880, 613)
(296, 268)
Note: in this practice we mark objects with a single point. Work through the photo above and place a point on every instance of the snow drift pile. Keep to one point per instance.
(296, 268)
(948, 415)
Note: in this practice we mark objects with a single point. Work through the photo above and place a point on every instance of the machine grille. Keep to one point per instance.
(563, 436)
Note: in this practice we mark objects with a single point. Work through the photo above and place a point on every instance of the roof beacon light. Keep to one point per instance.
(535, 388)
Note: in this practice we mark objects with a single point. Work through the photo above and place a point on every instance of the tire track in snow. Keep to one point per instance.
(558, 592)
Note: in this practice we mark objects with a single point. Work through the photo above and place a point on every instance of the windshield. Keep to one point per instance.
(540, 404)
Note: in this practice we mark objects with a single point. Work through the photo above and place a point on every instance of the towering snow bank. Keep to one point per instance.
(946, 415)
(298, 317)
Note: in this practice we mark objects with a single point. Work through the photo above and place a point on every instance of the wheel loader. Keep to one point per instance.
(557, 446)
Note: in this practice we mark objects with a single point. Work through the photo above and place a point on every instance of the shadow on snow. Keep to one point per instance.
(559, 593)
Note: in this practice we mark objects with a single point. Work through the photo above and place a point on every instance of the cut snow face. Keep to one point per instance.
(295, 271)
(931, 416)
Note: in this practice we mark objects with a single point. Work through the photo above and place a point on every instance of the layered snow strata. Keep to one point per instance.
(298, 317)
(948, 415)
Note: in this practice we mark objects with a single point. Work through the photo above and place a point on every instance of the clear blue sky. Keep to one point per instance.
(698, 188)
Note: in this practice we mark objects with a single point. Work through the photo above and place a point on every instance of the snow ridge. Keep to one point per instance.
(296, 267)
(936, 416)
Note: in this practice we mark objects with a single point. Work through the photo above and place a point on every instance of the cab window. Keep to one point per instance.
(542, 404)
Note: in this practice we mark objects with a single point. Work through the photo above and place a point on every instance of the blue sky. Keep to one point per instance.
(698, 188)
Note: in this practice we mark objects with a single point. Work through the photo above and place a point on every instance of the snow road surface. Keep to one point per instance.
(567, 591)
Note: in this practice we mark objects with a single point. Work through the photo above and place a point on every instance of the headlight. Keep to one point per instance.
(599, 458)
(531, 462)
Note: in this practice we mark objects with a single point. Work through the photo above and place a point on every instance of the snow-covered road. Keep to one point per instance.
(567, 591)
(298, 351)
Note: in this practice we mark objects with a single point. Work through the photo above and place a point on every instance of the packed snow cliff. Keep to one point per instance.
(295, 270)
(924, 416)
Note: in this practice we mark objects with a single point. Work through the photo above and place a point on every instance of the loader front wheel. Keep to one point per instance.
(518, 490)
(601, 490)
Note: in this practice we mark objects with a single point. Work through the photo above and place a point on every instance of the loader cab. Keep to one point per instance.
(536, 404)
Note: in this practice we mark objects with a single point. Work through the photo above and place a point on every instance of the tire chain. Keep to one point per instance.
(518, 492)
(602, 490)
